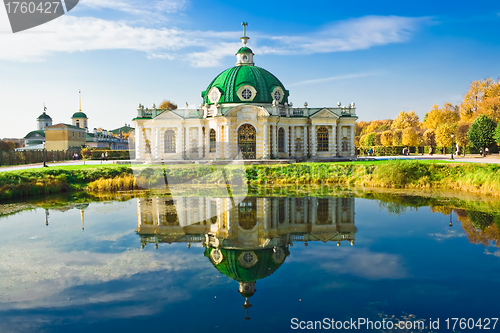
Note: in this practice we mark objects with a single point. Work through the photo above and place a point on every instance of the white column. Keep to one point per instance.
(353, 152)
(187, 143)
(138, 143)
(218, 139)
(334, 146)
(306, 142)
(313, 140)
(275, 141)
(179, 147)
(339, 138)
(200, 142)
(265, 139)
(292, 140)
(157, 144)
(331, 139)
(207, 142)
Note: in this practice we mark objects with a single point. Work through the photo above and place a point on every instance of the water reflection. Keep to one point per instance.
(251, 240)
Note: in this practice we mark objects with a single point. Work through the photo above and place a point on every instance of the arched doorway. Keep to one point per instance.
(247, 141)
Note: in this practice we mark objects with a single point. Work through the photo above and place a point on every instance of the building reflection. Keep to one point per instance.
(250, 240)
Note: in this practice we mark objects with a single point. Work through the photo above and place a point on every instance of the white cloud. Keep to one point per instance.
(137, 7)
(199, 48)
(360, 262)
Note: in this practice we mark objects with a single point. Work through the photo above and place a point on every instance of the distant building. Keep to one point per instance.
(64, 137)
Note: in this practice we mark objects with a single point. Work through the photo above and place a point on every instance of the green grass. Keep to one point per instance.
(399, 174)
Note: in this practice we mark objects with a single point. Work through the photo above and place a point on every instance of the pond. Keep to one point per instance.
(266, 264)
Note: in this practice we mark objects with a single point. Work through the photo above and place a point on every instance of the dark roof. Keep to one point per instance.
(33, 133)
(44, 116)
(79, 114)
(64, 126)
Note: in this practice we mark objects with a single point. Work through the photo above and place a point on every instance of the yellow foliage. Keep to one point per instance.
(405, 120)
(397, 137)
(448, 114)
(461, 134)
(410, 137)
(386, 138)
(475, 103)
(167, 105)
(429, 137)
(443, 135)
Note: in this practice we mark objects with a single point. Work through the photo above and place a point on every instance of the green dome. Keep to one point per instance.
(267, 263)
(229, 81)
(245, 49)
(79, 114)
(44, 116)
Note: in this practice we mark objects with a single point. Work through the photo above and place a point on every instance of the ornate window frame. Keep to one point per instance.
(240, 93)
(213, 140)
(216, 256)
(170, 141)
(214, 95)
(323, 138)
(281, 140)
(248, 259)
(282, 94)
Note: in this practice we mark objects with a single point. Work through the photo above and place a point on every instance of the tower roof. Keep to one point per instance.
(44, 116)
(79, 114)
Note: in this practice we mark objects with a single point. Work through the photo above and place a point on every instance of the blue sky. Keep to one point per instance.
(386, 56)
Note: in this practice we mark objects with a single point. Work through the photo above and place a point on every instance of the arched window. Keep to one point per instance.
(78, 123)
(323, 139)
(170, 141)
(212, 141)
(281, 140)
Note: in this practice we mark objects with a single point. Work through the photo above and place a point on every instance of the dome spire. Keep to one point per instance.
(79, 100)
(244, 39)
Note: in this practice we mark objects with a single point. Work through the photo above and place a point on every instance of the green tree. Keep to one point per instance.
(368, 139)
(496, 136)
(481, 132)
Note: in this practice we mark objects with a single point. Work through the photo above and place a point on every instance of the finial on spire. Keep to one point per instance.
(79, 100)
(44, 107)
(244, 39)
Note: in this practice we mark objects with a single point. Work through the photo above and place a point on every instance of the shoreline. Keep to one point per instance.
(416, 175)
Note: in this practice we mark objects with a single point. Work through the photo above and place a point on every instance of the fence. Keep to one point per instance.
(34, 156)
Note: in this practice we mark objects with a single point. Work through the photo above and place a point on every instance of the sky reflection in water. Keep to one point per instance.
(72, 277)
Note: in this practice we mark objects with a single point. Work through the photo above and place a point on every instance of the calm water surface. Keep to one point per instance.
(196, 264)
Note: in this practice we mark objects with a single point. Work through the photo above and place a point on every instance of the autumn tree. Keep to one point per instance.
(397, 137)
(167, 105)
(6, 145)
(448, 114)
(430, 137)
(461, 135)
(359, 126)
(490, 105)
(367, 139)
(481, 132)
(443, 135)
(378, 141)
(410, 137)
(386, 138)
(477, 93)
(405, 120)
(377, 126)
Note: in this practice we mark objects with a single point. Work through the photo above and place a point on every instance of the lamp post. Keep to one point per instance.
(44, 155)
(422, 144)
(452, 146)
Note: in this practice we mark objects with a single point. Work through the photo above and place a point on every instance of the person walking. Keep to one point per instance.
(106, 156)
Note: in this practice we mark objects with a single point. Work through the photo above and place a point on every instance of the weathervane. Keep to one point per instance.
(44, 107)
(244, 39)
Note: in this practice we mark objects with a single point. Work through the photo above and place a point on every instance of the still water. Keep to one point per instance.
(250, 265)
